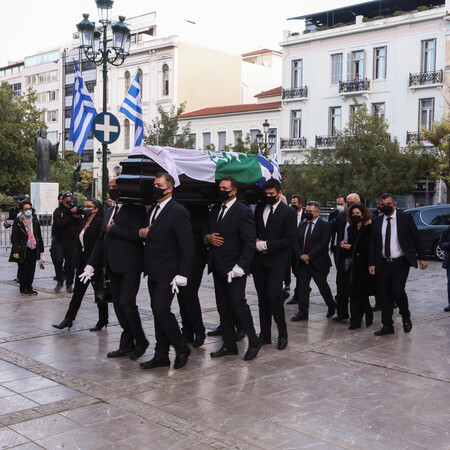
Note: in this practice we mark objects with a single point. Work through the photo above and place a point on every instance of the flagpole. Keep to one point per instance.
(105, 174)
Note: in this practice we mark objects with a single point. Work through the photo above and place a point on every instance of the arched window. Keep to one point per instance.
(127, 81)
(165, 71)
(141, 81)
(126, 134)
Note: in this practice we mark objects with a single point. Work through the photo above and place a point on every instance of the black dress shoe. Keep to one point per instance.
(265, 340)
(447, 308)
(299, 317)
(216, 332)
(139, 350)
(376, 307)
(120, 352)
(407, 324)
(369, 320)
(155, 362)
(239, 335)
(292, 301)
(65, 323)
(354, 326)
(199, 340)
(182, 358)
(252, 352)
(224, 351)
(340, 318)
(331, 311)
(282, 342)
(384, 330)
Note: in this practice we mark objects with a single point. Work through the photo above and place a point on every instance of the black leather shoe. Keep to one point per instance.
(65, 323)
(376, 307)
(189, 338)
(155, 362)
(120, 352)
(292, 301)
(99, 326)
(139, 350)
(284, 294)
(340, 318)
(199, 340)
(265, 340)
(299, 317)
(224, 351)
(252, 352)
(282, 342)
(447, 308)
(216, 332)
(331, 311)
(369, 320)
(182, 358)
(384, 330)
(354, 326)
(407, 324)
(239, 335)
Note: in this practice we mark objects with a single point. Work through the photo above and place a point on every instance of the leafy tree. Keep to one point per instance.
(167, 135)
(85, 183)
(63, 170)
(19, 121)
(243, 146)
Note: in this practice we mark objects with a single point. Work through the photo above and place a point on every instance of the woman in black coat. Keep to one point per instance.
(88, 237)
(26, 246)
(357, 250)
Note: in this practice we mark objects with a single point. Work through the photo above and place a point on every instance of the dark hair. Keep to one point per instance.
(169, 178)
(272, 183)
(315, 204)
(341, 196)
(298, 197)
(98, 205)
(231, 180)
(386, 195)
(66, 194)
(365, 213)
(23, 203)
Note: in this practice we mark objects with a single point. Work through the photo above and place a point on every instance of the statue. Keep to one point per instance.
(45, 151)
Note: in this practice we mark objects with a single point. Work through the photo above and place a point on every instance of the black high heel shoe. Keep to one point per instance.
(99, 326)
(65, 323)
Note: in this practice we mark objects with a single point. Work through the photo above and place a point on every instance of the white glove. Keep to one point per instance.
(236, 272)
(87, 274)
(261, 245)
(178, 280)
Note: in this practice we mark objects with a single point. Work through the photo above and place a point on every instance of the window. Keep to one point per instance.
(296, 124)
(253, 134)
(222, 137)
(297, 75)
(237, 136)
(127, 81)
(88, 155)
(126, 134)
(53, 136)
(68, 112)
(273, 150)
(141, 81)
(379, 110)
(47, 96)
(336, 68)
(379, 63)
(356, 65)
(52, 116)
(436, 216)
(90, 85)
(426, 112)
(165, 80)
(335, 120)
(40, 78)
(428, 56)
(206, 139)
(17, 88)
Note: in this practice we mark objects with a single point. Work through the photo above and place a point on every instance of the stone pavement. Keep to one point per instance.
(331, 387)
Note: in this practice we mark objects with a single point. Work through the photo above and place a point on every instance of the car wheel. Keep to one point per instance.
(438, 252)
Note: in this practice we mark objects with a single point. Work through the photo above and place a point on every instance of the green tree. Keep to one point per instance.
(19, 121)
(164, 129)
(85, 183)
(63, 169)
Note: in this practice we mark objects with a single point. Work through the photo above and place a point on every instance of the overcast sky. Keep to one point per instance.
(30, 26)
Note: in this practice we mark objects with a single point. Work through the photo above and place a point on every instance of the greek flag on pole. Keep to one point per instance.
(132, 108)
(83, 113)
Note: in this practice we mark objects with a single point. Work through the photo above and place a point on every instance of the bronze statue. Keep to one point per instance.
(45, 152)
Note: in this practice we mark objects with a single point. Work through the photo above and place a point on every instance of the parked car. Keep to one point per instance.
(430, 221)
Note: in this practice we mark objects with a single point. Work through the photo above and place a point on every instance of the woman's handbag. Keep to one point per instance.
(102, 291)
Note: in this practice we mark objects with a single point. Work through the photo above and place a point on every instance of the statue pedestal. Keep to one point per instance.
(44, 196)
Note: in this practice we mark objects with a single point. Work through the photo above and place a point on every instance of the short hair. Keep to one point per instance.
(23, 203)
(366, 215)
(341, 196)
(66, 194)
(315, 204)
(169, 178)
(386, 195)
(232, 180)
(298, 197)
(272, 183)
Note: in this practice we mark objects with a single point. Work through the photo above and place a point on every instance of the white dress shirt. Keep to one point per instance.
(155, 213)
(396, 250)
(313, 222)
(118, 205)
(266, 211)
(227, 207)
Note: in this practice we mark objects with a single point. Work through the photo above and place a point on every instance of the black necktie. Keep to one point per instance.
(116, 208)
(224, 207)
(269, 216)
(308, 237)
(387, 239)
(154, 213)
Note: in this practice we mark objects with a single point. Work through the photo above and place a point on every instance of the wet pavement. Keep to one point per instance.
(330, 388)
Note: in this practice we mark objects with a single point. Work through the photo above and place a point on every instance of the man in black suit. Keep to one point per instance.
(120, 249)
(168, 251)
(275, 235)
(395, 247)
(311, 247)
(231, 238)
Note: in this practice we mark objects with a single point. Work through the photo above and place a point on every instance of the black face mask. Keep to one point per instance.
(158, 193)
(309, 216)
(387, 210)
(224, 195)
(270, 200)
(356, 219)
(295, 207)
(87, 213)
(114, 193)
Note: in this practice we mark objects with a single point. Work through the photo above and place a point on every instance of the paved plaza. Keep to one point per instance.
(331, 387)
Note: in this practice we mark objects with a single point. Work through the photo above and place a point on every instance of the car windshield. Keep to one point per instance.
(436, 216)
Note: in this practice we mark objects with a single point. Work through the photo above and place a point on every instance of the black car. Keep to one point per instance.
(430, 221)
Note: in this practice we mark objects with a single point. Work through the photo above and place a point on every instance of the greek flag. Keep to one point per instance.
(83, 113)
(132, 108)
(276, 172)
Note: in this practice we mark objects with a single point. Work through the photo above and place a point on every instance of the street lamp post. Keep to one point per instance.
(265, 140)
(90, 43)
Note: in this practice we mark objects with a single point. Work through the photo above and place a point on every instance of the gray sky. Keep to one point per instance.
(244, 25)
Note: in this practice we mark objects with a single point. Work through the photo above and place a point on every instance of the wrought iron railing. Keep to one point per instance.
(327, 141)
(414, 137)
(354, 85)
(293, 142)
(301, 92)
(417, 79)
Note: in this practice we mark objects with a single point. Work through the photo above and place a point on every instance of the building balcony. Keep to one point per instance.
(293, 143)
(425, 79)
(295, 93)
(328, 141)
(354, 87)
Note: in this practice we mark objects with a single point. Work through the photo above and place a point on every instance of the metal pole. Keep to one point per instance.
(105, 177)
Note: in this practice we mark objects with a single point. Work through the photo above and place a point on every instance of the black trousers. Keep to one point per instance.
(305, 273)
(189, 302)
(167, 331)
(64, 258)
(124, 287)
(27, 269)
(269, 284)
(342, 289)
(391, 282)
(359, 306)
(232, 306)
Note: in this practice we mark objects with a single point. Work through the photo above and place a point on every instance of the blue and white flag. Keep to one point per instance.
(132, 108)
(276, 172)
(83, 113)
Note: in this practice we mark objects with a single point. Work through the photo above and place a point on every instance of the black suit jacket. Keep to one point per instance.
(280, 235)
(121, 251)
(408, 238)
(338, 229)
(318, 244)
(169, 246)
(239, 237)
